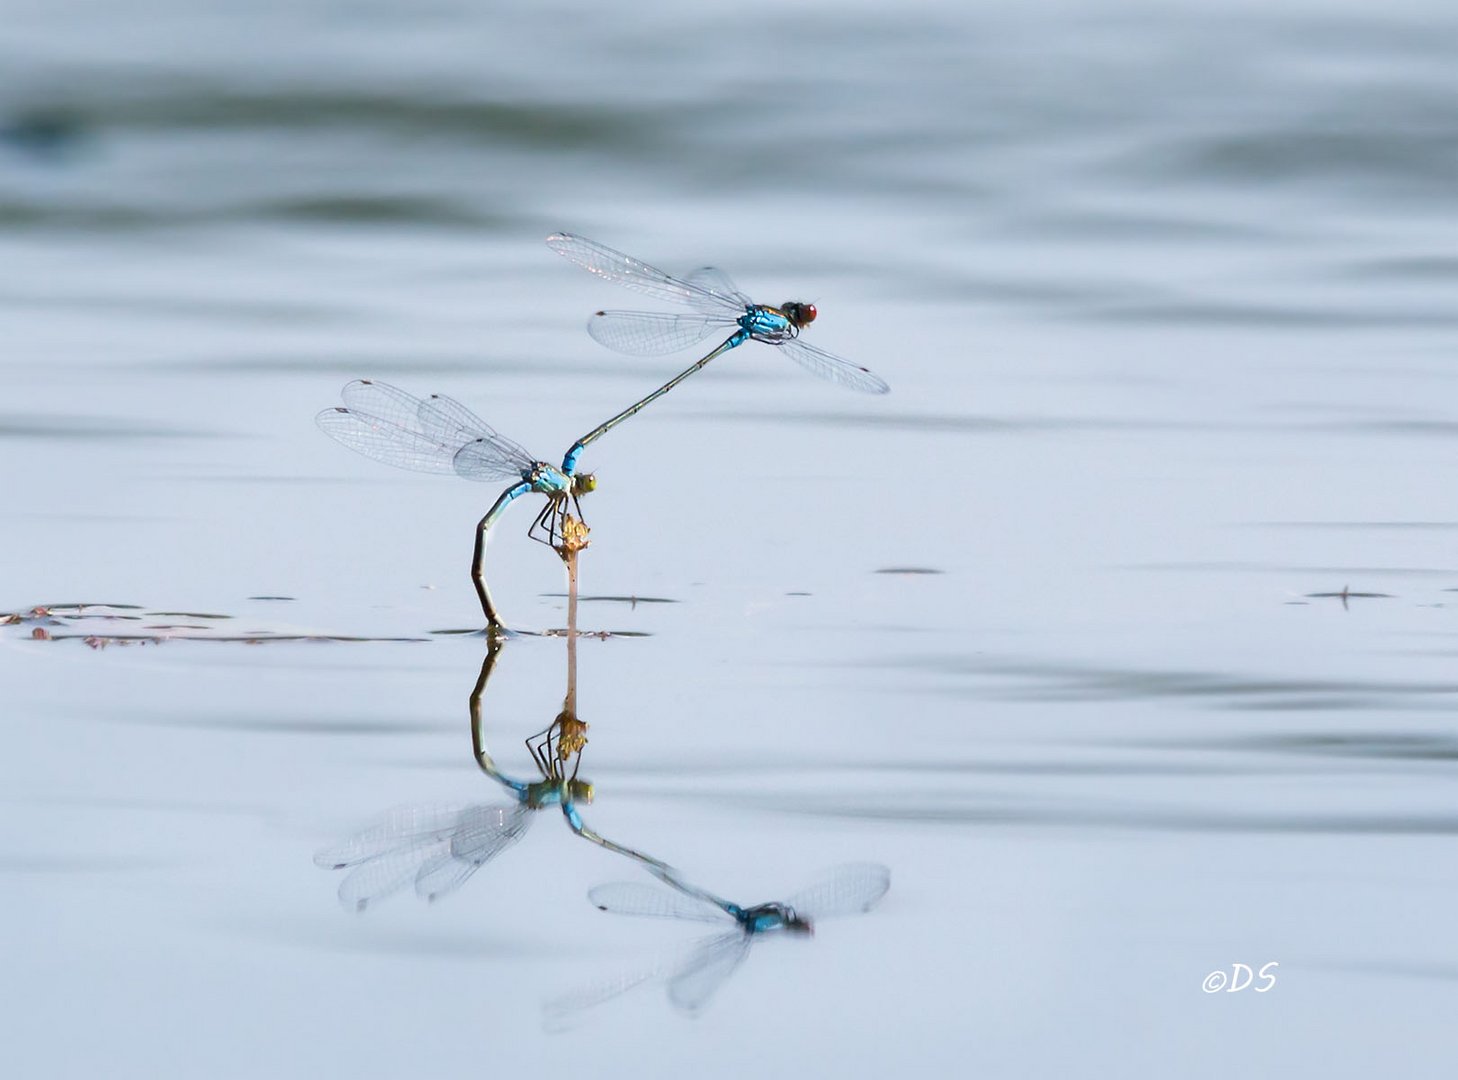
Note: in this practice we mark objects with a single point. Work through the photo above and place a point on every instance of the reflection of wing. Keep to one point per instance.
(714, 281)
(635, 274)
(386, 856)
(652, 333)
(707, 968)
(842, 890)
(636, 898)
(391, 426)
(692, 975)
(402, 826)
(829, 366)
(371, 881)
(485, 832)
(560, 1013)
(436, 847)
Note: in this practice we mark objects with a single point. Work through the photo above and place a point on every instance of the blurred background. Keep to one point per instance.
(1165, 295)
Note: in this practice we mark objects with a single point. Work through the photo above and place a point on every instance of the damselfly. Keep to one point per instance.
(718, 307)
(440, 435)
(438, 848)
(693, 977)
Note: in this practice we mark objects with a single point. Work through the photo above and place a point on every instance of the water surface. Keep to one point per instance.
(1165, 300)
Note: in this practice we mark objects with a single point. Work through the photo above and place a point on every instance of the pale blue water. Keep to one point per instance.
(1166, 301)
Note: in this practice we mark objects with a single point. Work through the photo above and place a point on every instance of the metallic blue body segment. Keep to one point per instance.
(548, 479)
(760, 919)
(767, 324)
(546, 793)
(574, 819)
(504, 500)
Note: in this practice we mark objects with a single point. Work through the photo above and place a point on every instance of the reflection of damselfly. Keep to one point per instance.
(438, 848)
(439, 435)
(718, 307)
(694, 976)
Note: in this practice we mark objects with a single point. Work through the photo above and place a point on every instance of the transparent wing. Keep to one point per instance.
(711, 279)
(483, 828)
(560, 1013)
(411, 843)
(652, 333)
(829, 366)
(849, 889)
(449, 417)
(380, 440)
(636, 898)
(406, 410)
(373, 880)
(400, 827)
(707, 968)
(637, 275)
(437, 416)
(489, 831)
(483, 459)
(388, 425)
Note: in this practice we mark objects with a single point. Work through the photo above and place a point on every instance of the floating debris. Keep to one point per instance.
(79, 622)
(1347, 594)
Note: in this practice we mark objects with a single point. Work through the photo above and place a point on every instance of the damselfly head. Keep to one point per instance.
(582, 483)
(796, 924)
(800, 315)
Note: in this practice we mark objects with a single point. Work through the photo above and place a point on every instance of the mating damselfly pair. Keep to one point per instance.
(437, 434)
(436, 849)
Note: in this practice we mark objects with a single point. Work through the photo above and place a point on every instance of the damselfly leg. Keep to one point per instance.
(547, 527)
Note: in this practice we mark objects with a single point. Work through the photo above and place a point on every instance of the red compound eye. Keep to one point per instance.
(798, 313)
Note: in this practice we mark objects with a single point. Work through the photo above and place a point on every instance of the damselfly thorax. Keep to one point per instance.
(777, 325)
